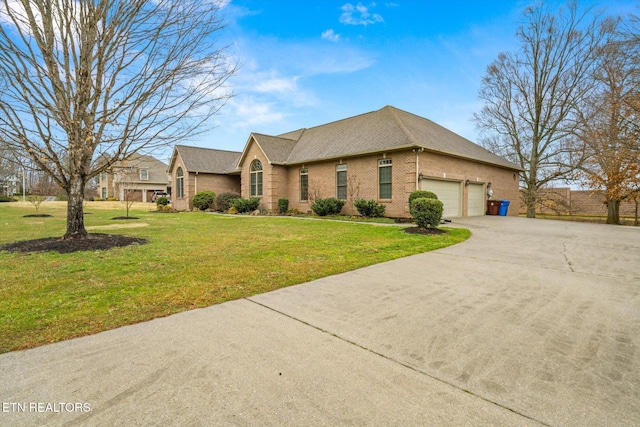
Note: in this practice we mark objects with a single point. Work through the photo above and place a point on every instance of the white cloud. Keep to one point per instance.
(359, 15)
(330, 35)
(249, 111)
(277, 85)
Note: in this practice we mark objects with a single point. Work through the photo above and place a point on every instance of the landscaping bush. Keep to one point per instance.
(7, 199)
(369, 208)
(246, 205)
(162, 201)
(328, 206)
(204, 200)
(224, 201)
(427, 212)
(283, 205)
(421, 193)
(111, 199)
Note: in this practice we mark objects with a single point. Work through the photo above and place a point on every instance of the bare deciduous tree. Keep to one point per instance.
(82, 78)
(609, 121)
(124, 180)
(530, 95)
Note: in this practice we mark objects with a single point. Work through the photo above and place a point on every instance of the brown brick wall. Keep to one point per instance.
(362, 177)
(564, 201)
(255, 153)
(362, 182)
(194, 183)
(504, 182)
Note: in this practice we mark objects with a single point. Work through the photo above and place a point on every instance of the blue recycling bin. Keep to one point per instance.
(504, 207)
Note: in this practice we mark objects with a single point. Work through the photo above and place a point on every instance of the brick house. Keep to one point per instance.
(195, 169)
(139, 176)
(383, 155)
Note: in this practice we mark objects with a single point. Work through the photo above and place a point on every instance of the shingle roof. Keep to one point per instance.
(156, 170)
(208, 160)
(386, 129)
(277, 149)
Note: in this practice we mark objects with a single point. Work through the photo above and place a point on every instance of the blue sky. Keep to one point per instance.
(310, 62)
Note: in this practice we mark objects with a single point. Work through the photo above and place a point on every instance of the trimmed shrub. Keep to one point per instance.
(328, 206)
(162, 201)
(246, 205)
(421, 193)
(427, 212)
(224, 201)
(7, 199)
(369, 208)
(204, 200)
(111, 199)
(283, 205)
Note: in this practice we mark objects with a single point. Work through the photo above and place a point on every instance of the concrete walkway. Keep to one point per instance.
(529, 322)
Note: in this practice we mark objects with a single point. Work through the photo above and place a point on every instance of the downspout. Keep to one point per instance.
(195, 184)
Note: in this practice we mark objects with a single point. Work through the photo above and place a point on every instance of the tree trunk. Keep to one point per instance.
(530, 198)
(613, 211)
(75, 209)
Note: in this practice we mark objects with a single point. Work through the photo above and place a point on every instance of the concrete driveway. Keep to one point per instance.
(529, 322)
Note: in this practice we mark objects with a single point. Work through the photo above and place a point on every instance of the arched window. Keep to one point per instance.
(179, 183)
(256, 178)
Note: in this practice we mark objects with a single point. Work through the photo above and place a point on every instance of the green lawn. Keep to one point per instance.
(192, 260)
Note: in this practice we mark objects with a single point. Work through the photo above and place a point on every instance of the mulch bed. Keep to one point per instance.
(93, 242)
(420, 230)
(124, 217)
(37, 216)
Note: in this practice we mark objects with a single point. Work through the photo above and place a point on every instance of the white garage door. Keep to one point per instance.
(448, 192)
(476, 200)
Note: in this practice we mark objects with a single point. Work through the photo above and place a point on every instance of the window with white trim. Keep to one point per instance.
(384, 179)
(341, 182)
(256, 178)
(144, 175)
(304, 184)
(179, 183)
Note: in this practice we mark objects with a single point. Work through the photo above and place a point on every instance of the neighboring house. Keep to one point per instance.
(383, 155)
(9, 185)
(196, 169)
(134, 179)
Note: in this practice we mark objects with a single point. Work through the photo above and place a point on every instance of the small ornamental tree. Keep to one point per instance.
(427, 212)
(36, 200)
(204, 200)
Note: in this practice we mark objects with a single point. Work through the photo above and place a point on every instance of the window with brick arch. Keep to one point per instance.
(256, 178)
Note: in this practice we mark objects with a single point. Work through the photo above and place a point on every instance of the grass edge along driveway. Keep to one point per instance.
(192, 260)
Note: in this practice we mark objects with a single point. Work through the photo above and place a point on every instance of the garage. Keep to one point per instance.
(448, 192)
(475, 205)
